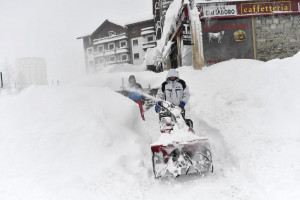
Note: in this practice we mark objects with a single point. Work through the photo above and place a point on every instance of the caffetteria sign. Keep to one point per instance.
(266, 7)
(249, 8)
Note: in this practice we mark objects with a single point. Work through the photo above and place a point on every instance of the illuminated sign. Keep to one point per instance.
(266, 7)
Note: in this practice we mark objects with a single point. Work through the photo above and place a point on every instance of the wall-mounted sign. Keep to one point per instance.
(265, 7)
(227, 39)
(253, 8)
(224, 10)
(186, 33)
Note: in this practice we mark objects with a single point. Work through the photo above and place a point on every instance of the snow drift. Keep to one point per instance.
(84, 141)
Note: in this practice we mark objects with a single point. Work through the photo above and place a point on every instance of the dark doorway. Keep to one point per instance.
(173, 55)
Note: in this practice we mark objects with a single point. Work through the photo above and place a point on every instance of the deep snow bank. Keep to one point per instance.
(84, 141)
(59, 142)
(255, 107)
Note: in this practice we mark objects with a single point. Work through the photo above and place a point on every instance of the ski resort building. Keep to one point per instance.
(112, 43)
(142, 36)
(202, 33)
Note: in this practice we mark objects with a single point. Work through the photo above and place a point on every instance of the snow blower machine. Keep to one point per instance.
(179, 151)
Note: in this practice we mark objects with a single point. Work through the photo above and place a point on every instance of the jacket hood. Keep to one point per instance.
(172, 72)
(131, 77)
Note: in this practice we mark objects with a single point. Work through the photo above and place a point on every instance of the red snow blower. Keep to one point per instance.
(179, 158)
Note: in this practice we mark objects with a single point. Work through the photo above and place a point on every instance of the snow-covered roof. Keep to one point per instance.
(148, 28)
(86, 35)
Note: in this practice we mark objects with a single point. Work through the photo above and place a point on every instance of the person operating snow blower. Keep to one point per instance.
(174, 90)
(134, 93)
(173, 156)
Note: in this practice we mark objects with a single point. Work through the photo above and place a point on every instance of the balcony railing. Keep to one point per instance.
(111, 52)
(110, 39)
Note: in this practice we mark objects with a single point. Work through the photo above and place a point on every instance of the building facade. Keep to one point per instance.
(111, 44)
(208, 32)
(30, 71)
(142, 36)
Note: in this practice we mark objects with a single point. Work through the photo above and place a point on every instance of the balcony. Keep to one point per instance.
(147, 45)
(110, 39)
(100, 66)
(148, 31)
(111, 52)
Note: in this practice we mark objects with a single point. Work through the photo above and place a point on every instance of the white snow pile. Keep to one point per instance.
(84, 141)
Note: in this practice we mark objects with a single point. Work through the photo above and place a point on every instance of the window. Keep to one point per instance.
(100, 48)
(90, 50)
(124, 57)
(111, 33)
(135, 43)
(111, 46)
(150, 39)
(112, 59)
(123, 43)
(136, 56)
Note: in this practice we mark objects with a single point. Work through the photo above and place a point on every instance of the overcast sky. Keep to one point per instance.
(49, 28)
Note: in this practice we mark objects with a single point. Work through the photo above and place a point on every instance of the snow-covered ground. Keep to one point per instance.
(85, 141)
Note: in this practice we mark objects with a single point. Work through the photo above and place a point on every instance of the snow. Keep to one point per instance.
(178, 135)
(110, 39)
(85, 141)
(147, 32)
(170, 20)
(147, 29)
(149, 45)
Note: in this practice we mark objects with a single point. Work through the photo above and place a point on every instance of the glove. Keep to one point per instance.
(182, 104)
(156, 107)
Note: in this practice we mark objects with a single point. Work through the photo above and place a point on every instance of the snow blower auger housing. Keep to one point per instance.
(179, 157)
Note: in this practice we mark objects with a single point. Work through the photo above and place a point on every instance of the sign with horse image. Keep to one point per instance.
(227, 39)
